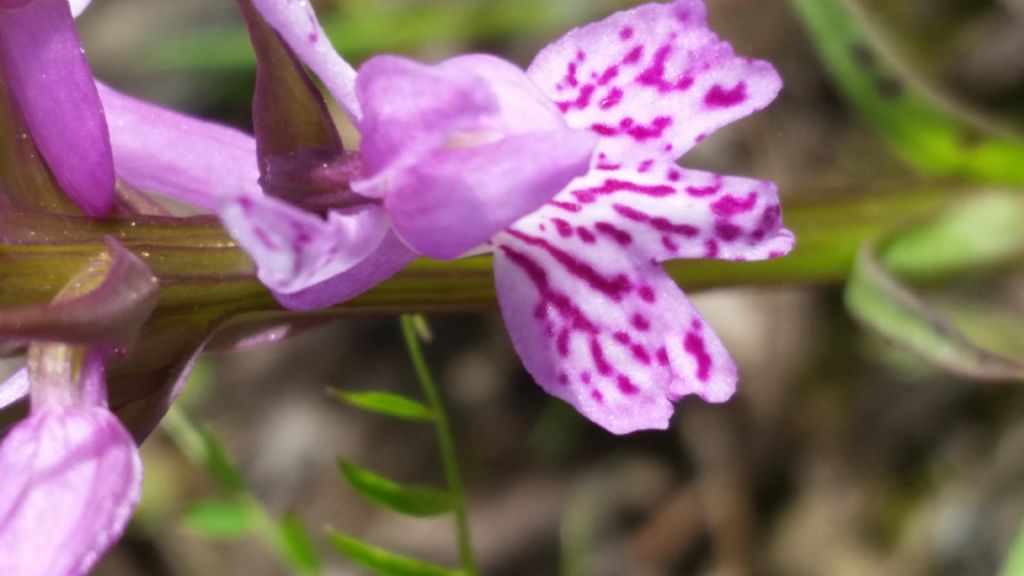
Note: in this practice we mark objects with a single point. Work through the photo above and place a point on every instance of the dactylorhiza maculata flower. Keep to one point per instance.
(565, 172)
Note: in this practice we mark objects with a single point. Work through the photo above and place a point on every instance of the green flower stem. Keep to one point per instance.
(446, 440)
(200, 267)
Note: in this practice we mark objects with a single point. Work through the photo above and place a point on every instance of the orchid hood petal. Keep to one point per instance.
(44, 67)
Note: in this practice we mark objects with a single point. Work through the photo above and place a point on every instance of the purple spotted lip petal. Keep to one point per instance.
(652, 81)
(595, 319)
(43, 64)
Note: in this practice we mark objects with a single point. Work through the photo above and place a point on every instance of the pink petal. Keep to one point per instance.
(411, 110)
(296, 22)
(456, 200)
(71, 478)
(175, 155)
(653, 81)
(49, 76)
(665, 213)
(294, 249)
(609, 334)
(521, 106)
(391, 256)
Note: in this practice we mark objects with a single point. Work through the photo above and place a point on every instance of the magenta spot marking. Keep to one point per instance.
(659, 223)
(611, 186)
(622, 237)
(561, 303)
(730, 205)
(719, 97)
(669, 244)
(640, 322)
(640, 353)
(604, 129)
(727, 231)
(642, 132)
(562, 343)
(586, 235)
(582, 99)
(626, 385)
(608, 75)
(600, 362)
(615, 288)
(626, 33)
(703, 191)
(682, 13)
(604, 164)
(647, 294)
(654, 75)
(694, 346)
(710, 248)
(621, 337)
(634, 55)
(567, 206)
(674, 175)
(700, 137)
(613, 98)
(570, 74)
(597, 396)
(645, 166)
(585, 377)
(563, 379)
(662, 356)
(264, 238)
(563, 227)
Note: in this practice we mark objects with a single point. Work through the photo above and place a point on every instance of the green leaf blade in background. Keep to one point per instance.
(983, 231)
(297, 546)
(220, 519)
(920, 131)
(385, 404)
(384, 563)
(420, 501)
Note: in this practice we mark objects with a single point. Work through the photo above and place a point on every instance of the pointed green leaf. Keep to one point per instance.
(220, 519)
(296, 545)
(220, 466)
(924, 133)
(384, 563)
(982, 232)
(409, 500)
(385, 403)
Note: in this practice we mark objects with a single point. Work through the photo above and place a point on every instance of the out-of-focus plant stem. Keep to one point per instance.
(446, 440)
(200, 267)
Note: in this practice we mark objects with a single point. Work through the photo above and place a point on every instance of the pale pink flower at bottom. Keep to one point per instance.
(70, 473)
(71, 477)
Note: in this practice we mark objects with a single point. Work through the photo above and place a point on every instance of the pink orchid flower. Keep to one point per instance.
(565, 171)
(594, 317)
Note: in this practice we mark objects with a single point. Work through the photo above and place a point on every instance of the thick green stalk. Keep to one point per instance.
(446, 440)
(199, 266)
